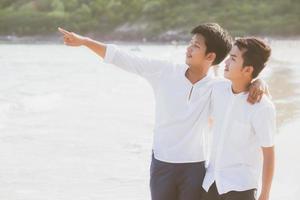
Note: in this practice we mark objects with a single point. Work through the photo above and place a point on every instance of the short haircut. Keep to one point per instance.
(255, 53)
(217, 40)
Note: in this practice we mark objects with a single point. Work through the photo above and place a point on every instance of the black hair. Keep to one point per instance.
(255, 53)
(217, 40)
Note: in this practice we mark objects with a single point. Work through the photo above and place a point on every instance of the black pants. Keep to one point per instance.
(176, 181)
(213, 194)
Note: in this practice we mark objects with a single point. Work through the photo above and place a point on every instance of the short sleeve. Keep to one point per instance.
(264, 124)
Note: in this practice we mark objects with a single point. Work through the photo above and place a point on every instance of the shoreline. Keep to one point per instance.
(57, 39)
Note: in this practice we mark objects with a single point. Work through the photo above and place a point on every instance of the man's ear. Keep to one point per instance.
(248, 70)
(211, 57)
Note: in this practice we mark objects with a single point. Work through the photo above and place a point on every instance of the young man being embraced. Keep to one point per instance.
(242, 134)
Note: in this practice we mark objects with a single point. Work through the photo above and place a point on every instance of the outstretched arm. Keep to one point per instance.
(149, 68)
(73, 39)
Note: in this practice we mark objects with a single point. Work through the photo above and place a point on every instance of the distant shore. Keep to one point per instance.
(163, 39)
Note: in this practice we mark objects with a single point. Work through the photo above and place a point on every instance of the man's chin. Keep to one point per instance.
(226, 75)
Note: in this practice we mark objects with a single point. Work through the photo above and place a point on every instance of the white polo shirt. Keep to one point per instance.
(239, 131)
(181, 108)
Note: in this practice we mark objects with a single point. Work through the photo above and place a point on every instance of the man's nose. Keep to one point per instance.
(227, 61)
(188, 49)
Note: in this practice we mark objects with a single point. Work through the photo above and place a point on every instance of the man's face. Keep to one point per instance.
(234, 65)
(195, 53)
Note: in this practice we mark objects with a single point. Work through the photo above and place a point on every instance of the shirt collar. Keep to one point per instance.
(241, 94)
(199, 83)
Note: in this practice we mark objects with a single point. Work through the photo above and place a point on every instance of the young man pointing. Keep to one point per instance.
(182, 96)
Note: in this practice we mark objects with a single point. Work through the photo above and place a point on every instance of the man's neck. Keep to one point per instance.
(194, 74)
(239, 86)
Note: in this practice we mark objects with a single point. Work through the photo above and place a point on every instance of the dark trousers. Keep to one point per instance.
(213, 194)
(176, 181)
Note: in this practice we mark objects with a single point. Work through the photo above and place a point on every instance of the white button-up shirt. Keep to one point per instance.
(239, 131)
(181, 108)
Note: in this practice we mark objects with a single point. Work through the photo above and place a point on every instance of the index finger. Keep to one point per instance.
(260, 97)
(63, 31)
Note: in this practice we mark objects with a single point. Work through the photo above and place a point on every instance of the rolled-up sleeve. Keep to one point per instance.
(149, 68)
(110, 53)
